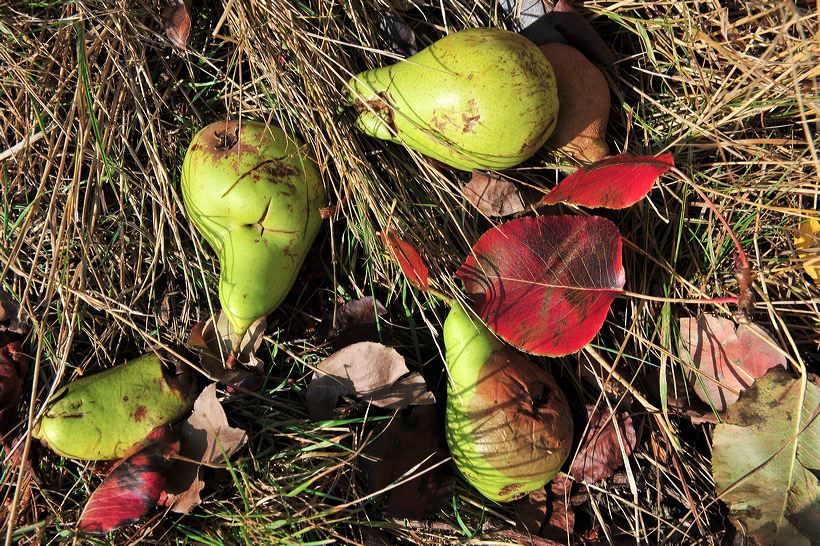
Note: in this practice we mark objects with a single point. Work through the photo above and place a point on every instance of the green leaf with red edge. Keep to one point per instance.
(133, 487)
(614, 183)
(545, 284)
(408, 258)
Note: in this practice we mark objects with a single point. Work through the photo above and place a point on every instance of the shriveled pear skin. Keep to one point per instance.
(508, 424)
(481, 98)
(255, 197)
(103, 416)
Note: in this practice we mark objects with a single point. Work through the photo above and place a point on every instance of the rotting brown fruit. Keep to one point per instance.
(105, 415)
(584, 95)
(509, 426)
(255, 196)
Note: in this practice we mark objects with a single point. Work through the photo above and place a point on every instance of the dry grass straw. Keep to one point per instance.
(97, 108)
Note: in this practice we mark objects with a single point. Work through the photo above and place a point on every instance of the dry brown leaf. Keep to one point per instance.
(493, 195)
(546, 515)
(727, 360)
(600, 454)
(214, 338)
(176, 21)
(204, 436)
(368, 370)
(352, 322)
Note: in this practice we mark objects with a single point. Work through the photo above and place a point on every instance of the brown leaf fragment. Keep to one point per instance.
(368, 370)
(412, 444)
(205, 435)
(724, 361)
(352, 322)
(493, 195)
(546, 514)
(600, 454)
(176, 21)
(14, 368)
(214, 339)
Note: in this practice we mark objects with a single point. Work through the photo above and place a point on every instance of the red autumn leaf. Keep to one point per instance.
(133, 487)
(727, 360)
(600, 454)
(545, 284)
(408, 259)
(614, 183)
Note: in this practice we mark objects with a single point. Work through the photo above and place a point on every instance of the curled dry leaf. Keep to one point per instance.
(372, 372)
(206, 437)
(352, 322)
(133, 487)
(395, 34)
(766, 460)
(614, 183)
(583, 94)
(411, 444)
(807, 241)
(14, 368)
(408, 259)
(600, 454)
(726, 360)
(214, 338)
(545, 284)
(176, 21)
(493, 195)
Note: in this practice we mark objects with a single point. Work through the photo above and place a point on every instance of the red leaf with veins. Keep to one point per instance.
(545, 284)
(408, 259)
(614, 183)
(133, 487)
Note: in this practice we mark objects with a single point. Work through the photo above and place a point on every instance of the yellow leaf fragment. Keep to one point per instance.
(807, 241)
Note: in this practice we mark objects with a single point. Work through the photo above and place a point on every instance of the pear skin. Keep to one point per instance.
(254, 195)
(482, 98)
(103, 416)
(508, 424)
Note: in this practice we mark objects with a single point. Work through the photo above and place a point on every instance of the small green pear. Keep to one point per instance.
(105, 415)
(508, 424)
(255, 196)
(482, 98)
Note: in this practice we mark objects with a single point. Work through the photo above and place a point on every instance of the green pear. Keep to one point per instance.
(105, 415)
(508, 424)
(483, 98)
(255, 196)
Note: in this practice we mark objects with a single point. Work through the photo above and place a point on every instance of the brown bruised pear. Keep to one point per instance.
(508, 424)
(482, 98)
(255, 196)
(105, 415)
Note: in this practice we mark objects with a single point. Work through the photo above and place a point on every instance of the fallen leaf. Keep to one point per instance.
(614, 183)
(205, 436)
(368, 370)
(600, 454)
(547, 515)
(545, 284)
(214, 338)
(176, 21)
(133, 487)
(727, 360)
(766, 459)
(807, 242)
(411, 444)
(352, 322)
(544, 21)
(395, 34)
(408, 258)
(493, 195)
(14, 368)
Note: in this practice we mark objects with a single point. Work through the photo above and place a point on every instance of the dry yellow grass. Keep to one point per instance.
(97, 108)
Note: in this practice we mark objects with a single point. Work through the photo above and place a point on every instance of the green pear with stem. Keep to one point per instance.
(254, 195)
(105, 415)
(482, 98)
(508, 424)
